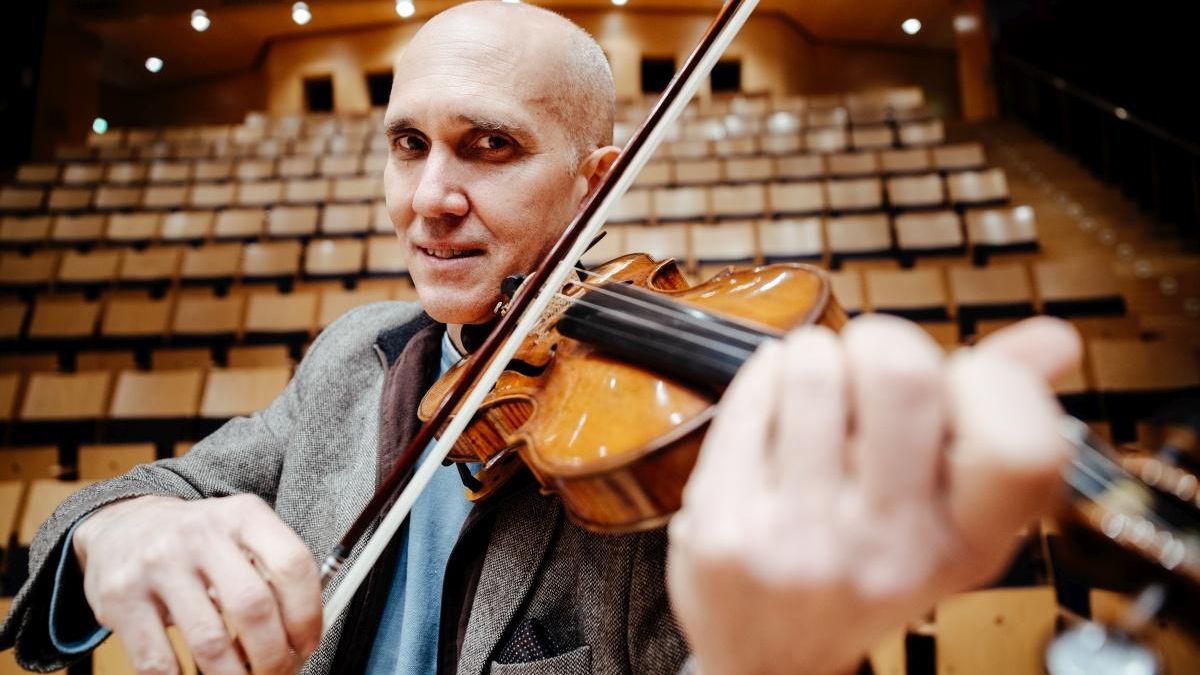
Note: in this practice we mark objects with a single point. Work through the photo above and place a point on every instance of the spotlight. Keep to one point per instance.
(965, 23)
(301, 14)
(200, 20)
(619, 3)
(99, 125)
(154, 64)
(405, 8)
(911, 26)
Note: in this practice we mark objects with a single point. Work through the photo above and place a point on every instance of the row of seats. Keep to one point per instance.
(785, 135)
(201, 170)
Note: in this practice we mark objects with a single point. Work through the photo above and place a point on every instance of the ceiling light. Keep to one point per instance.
(511, 2)
(405, 8)
(301, 14)
(619, 3)
(99, 125)
(965, 23)
(911, 26)
(200, 20)
(154, 64)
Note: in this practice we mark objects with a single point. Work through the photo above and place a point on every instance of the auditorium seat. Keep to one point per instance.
(741, 146)
(77, 229)
(834, 116)
(10, 388)
(114, 197)
(655, 174)
(260, 193)
(858, 236)
(258, 356)
(697, 172)
(229, 392)
(203, 319)
(800, 167)
(185, 226)
(872, 137)
(959, 157)
(917, 294)
(335, 302)
(1000, 631)
(24, 231)
(241, 223)
(297, 166)
(62, 407)
(306, 190)
(1136, 378)
(906, 160)
(929, 132)
(387, 255)
(65, 321)
(345, 219)
(374, 162)
(292, 221)
(782, 144)
(42, 497)
(132, 228)
(45, 173)
(357, 188)
(844, 164)
(105, 359)
(154, 268)
(848, 290)
(684, 203)
(155, 406)
(731, 241)
(918, 191)
(287, 318)
(248, 170)
(276, 262)
(98, 462)
(211, 195)
(611, 244)
(27, 464)
(13, 198)
(162, 171)
(825, 140)
(1078, 287)
(12, 319)
(660, 241)
(164, 197)
(787, 199)
(632, 207)
(174, 358)
(28, 271)
(686, 149)
(135, 321)
(208, 170)
(73, 153)
(749, 169)
(996, 291)
(738, 201)
(340, 165)
(334, 258)
(858, 194)
(992, 231)
(978, 187)
(212, 264)
(82, 174)
(69, 199)
(92, 270)
(925, 233)
(791, 239)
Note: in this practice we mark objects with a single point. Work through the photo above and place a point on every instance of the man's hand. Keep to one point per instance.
(849, 482)
(154, 561)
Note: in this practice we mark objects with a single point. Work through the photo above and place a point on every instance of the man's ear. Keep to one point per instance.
(596, 166)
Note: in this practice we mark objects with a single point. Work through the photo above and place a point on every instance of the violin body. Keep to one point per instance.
(608, 399)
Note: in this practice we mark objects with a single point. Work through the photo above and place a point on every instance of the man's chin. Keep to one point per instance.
(451, 307)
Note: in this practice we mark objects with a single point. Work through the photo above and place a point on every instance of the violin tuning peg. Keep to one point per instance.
(511, 285)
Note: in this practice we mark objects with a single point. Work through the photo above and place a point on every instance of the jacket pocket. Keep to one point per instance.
(578, 661)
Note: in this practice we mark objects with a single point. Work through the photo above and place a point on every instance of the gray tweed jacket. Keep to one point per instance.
(315, 455)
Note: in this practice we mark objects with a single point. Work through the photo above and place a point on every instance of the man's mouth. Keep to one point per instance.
(450, 253)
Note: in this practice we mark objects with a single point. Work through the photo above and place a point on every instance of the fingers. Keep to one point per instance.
(202, 627)
(899, 404)
(251, 609)
(140, 629)
(812, 413)
(1051, 347)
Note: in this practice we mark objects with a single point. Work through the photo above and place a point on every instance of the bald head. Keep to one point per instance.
(557, 63)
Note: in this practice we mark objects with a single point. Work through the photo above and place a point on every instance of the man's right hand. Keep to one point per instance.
(214, 568)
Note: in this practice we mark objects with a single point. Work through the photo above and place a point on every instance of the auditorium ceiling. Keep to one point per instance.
(242, 30)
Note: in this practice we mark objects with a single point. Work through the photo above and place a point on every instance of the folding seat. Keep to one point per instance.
(136, 137)
(24, 231)
(918, 191)
(345, 219)
(69, 199)
(112, 197)
(381, 222)
(377, 144)
(132, 228)
(859, 194)
(203, 319)
(212, 264)
(993, 231)
(211, 195)
(336, 302)
(27, 272)
(872, 137)
(112, 360)
(1136, 378)
(738, 201)
(1078, 287)
(978, 187)
(212, 133)
(906, 160)
(270, 148)
(1006, 628)
(660, 241)
(181, 226)
(211, 170)
(346, 145)
(858, 236)
(690, 149)
(239, 224)
(12, 320)
(841, 164)
(958, 156)
(741, 146)
(176, 358)
(62, 407)
(261, 193)
(156, 406)
(791, 239)
(135, 322)
(180, 135)
(230, 392)
(292, 221)
(43, 173)
(274, 318)
(995, 292)
(374, 162)
(827, 117)
(22, 465)
(259, 356)
(340, 165)
(929, 132)
(387, 255)
(77, 230)
(800, 167)
(334, 258)
(927, 233)
(795, 198)
(82, 174)
(306, 191)
(10, 387)
(632, 207)
(124, 173)
(14, 198)
(732, 241)
(749, 169)
(782, 144)
(916, 294)
(611, 245)
(826, 139)
(297, 167)
(868, 116)
(357, 188)
(654, 174)
(164, 197)
(847, 289)
(783, 122)
(73, 153)
(308, 147)
(698, 172)
(277, 262)
(170, 172)
(93, 270)
(100, 462)
(248, 170)
(685, 203)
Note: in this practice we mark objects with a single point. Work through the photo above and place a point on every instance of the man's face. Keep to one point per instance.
(482, 178)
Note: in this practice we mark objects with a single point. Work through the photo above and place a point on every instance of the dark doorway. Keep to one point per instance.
(318, 94)
(656, 73)
(727, 77)
(379, 88)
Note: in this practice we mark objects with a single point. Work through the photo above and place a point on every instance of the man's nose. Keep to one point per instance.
(440, 192)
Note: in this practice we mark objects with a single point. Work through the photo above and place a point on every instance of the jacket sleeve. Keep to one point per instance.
(244, 456)
(656, 644)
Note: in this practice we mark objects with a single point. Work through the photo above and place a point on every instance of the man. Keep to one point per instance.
(824, 511)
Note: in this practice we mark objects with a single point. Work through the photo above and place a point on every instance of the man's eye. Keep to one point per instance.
(492, 142)
(410, 143)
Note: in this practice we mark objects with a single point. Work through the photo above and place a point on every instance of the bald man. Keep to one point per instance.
(847, 483)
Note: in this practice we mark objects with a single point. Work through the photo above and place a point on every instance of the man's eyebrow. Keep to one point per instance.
(488, 124)
(396, 126)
